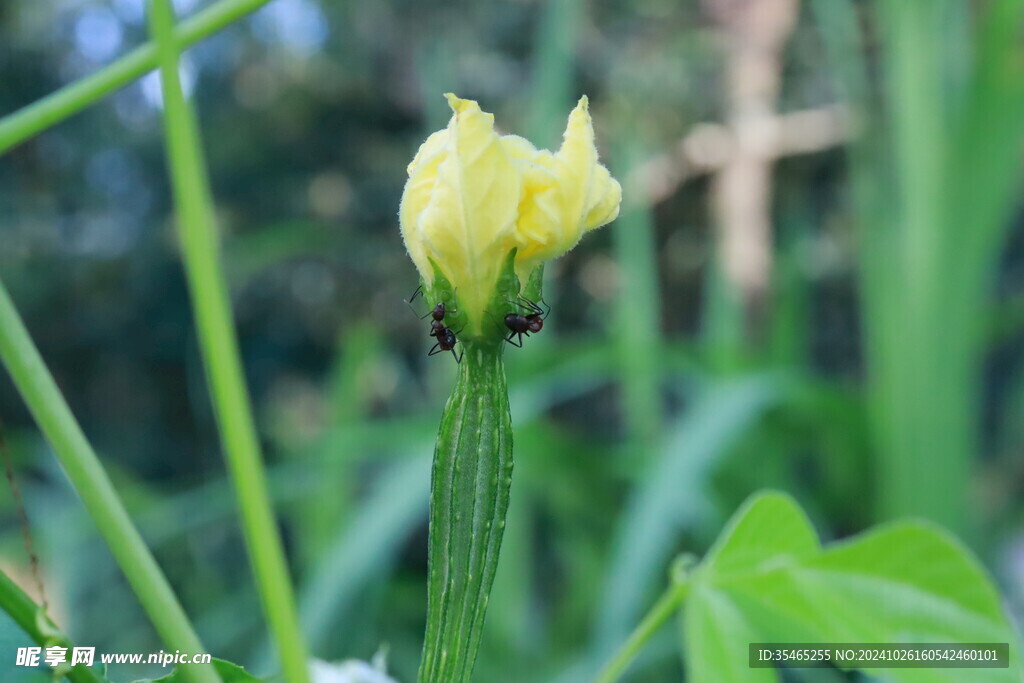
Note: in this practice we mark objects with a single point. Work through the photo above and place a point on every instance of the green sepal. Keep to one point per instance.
(441, 291)
(503, 300)
(534, 289)
(507, 287)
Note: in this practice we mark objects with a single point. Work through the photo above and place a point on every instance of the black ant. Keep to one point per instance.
(525, 324)
(446, 338)
(446, 341)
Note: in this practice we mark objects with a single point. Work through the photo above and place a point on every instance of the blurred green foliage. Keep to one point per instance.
(640, 422)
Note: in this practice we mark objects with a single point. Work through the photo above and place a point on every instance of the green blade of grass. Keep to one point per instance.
(923, 396)
(368, 544)
(33, 119)
(930, 191)
(318, 517)
(637, 333)
(933, 182)
(219, 346)
(958, 167)
(671, 493)
(722, 323)
(551, 97)
(83, 468)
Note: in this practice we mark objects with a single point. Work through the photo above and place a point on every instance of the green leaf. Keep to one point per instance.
(442, 291)
(533, 290)
(229, 673)
(768, 529)
(767, 580)
(717, 633)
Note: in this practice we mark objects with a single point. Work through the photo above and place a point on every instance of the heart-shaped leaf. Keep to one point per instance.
(767, 579)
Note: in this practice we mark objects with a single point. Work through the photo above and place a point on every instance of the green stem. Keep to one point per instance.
(34, 621)
(661, 612)
(83, 468)
(221, 358)
(469, 497)
(54, 108)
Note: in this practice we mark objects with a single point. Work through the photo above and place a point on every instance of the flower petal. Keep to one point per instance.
(422, 178)
(468, 221)
(603, 200)
(579, 156)
(473, 196)
(553, 217)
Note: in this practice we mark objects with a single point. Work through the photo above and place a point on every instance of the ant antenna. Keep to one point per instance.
(408, 302)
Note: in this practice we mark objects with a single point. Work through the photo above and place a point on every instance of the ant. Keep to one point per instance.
(525, 324)
(446, 341)
(446, 338)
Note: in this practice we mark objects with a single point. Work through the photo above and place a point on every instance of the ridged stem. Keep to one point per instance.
(469, 497)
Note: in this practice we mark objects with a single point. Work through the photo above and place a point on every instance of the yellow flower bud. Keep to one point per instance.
(473, 196)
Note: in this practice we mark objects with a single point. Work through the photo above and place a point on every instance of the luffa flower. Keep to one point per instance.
(480, 214)
(473, 196)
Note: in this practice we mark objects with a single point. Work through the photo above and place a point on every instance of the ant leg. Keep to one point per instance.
(458, 358)
(509, 339)
(547, 312)
(529, 305)
(434, 349)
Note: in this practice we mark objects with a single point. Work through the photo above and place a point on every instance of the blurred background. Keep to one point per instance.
(816, 284)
